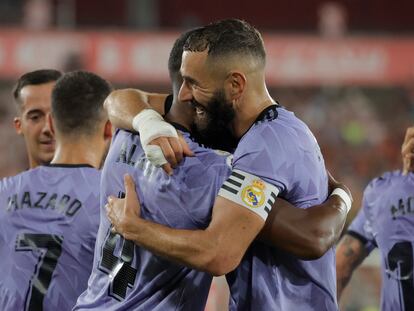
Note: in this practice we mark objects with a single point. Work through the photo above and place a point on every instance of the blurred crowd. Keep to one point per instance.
(360, 130)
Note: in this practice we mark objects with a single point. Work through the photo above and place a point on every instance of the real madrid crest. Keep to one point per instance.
(253, 195)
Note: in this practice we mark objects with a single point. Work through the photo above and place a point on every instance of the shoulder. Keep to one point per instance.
(384, 187)
(8, 183)
(384, 181)
(205, 158)
(278, 133)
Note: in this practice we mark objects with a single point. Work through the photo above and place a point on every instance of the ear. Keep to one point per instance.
(17, 122)
(108, 130)
(236, 83)
(51, 125)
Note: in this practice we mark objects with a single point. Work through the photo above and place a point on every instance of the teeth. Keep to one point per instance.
(199, 110)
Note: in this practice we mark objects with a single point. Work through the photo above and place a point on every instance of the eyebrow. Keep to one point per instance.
(34, 111)
(191, 80)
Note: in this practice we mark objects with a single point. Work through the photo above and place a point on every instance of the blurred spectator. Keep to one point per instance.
(332, 20)
(37, 14)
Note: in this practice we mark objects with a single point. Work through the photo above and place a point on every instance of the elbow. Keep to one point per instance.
(108, 101)
(111, 99)
(218, 264)
(320, 242)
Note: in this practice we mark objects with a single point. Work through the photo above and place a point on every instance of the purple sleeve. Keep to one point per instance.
(361, 228)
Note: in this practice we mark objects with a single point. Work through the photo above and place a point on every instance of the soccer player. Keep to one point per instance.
(50, 214)
(126, 276)
(32, 95)
(223, 71)
(386, 222)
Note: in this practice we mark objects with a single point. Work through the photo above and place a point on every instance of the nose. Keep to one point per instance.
(185, 92)
(46, 126)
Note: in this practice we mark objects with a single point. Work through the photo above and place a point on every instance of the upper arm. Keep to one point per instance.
(232, 227)
(239, 213)
(123, 105)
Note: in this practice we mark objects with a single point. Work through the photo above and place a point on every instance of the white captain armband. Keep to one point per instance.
(250, 191)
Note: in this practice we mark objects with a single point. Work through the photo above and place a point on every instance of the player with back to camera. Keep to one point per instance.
(50, 214)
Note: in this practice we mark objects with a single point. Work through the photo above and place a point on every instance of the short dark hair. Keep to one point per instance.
(77, 102)
(174, 61)
(34, 78)
(228, 37)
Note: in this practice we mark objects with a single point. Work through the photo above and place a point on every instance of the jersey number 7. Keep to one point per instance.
(49, 248)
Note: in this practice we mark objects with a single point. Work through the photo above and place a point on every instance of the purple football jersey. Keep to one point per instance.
(360, 228)
(49, 220)
(389, 209)
(128, 277)
(281, 150)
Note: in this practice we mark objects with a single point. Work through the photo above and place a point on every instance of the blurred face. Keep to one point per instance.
(213, 112)
(32, 123)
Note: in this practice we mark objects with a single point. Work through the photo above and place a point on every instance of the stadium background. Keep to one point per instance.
(344, 67)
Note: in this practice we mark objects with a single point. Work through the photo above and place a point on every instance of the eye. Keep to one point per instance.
(35, 117)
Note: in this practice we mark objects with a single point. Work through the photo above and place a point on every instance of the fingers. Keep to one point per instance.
(408, 146)
(131, 196)
(109, 212)
(129, 186)
(171, 150)
(167, 168)
(166, 149)
(111, 199)
(408, 163)
(409, 133)
(177, 148)
(186, 149)
(407, 151)
(154, 155)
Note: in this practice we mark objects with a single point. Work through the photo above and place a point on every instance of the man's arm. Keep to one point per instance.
(350, 253)
(128, 109)
(307, 233)
(123, 105)
(217, 250)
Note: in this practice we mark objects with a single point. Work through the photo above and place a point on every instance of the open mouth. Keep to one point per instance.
(199, 109)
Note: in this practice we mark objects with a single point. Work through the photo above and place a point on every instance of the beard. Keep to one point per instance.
(213, 127)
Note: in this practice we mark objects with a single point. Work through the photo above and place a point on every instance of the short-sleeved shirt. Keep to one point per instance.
(128, 277)
(280, 150)
(388, 209)
(49, 219)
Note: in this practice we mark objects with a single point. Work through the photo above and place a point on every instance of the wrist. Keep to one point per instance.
(133, 229)
(145, 116)
(346, 199)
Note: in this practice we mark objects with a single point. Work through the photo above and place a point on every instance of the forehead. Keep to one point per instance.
(194, 64)
(36, 96)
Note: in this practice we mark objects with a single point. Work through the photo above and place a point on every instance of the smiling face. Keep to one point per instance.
(205, 90)
(32, 124)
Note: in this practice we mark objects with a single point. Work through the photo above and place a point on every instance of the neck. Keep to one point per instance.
(33, 163)
(249, 108)
(181, 113)
(81, 150)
